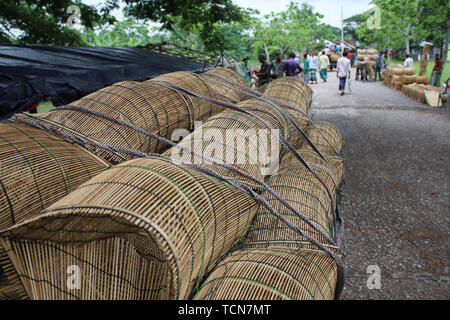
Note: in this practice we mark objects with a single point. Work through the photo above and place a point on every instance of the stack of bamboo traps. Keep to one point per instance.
(372, 64)
(413, 86)
(196, 221)
(419, 92)
(396, 76)
(276, 262)
(32, 179)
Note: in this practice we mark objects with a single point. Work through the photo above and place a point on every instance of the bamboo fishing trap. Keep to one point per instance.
(154, 228)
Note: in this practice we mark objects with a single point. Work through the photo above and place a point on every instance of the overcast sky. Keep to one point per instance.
(331, 9)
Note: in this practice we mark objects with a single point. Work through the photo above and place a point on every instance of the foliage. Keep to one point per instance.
(44, 21)
(296, 29)
(129, 32)
(201, 16)
(403, 22)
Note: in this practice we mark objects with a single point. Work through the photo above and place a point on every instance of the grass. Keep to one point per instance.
(445, 74)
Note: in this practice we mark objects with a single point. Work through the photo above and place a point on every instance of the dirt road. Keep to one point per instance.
(395, 198)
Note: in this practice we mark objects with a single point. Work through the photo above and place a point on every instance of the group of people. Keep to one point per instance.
(291, 67)
(408, 62)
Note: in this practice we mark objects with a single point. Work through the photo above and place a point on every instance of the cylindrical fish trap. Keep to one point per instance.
(238, 139)
(274, 261)
(292, 91)
(312, 157)
(36, 169)
(296, 185)
(228, 78)
(326, 137)
(295, 93)
(190, 81)
(271, 274)
(144, 229)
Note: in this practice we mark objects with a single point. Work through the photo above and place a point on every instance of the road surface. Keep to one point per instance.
(395, 197)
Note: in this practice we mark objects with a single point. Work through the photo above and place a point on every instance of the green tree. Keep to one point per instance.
(386, 36)
(129, 32)
(44, 21)
(352, 23)
(199, 16)
(296, 29)
(403, 15)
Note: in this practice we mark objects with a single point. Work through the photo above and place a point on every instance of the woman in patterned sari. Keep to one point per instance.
(435, 79)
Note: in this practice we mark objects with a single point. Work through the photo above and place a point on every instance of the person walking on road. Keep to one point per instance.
(343, 69)
(313, 67)
(306, 70)
(324, 63)
(379, 66)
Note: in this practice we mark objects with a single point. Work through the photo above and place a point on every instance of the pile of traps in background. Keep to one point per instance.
(416, 87)
(98, 202)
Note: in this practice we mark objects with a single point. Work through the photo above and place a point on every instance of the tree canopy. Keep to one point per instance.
(220, 26)
(44, 21)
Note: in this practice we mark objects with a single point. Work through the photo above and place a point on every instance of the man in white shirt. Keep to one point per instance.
(313, 60)
(343, 69)
(409, 62)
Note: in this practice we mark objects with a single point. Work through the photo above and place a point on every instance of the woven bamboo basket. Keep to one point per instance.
(336, 162)
(191, 82)
(223, 92)
(362, 52)
(271, 274)
(292, 91)
(409, 71)
(145, 229)
(233, 138)
(296, 93)
(408, 79)
(37, 169)
(334, 57)
(422, 80)
(296, 185)
(326, 137)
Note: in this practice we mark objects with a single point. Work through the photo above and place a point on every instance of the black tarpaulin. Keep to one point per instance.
(30, 73)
